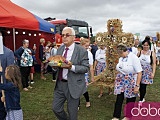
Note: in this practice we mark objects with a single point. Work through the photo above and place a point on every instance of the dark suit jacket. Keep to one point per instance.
(6, 59)
(76, 80)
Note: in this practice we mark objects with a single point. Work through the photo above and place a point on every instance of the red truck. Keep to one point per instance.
(82, 29)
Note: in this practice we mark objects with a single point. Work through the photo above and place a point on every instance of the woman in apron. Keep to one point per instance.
(100, 63)
(148, 62)
(127, 80)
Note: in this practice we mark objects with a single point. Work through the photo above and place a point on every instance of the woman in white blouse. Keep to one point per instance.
(100, 63)
(127, 81)
(100, 59)
(148, 62)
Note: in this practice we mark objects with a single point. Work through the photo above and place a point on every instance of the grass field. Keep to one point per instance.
(37, 103)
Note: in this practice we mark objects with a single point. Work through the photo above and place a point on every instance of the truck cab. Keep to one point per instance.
(82, 29)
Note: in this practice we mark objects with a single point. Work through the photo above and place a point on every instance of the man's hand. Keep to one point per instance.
(68, 65)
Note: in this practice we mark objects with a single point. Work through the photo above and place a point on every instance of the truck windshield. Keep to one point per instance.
(59, 28)
(81, 31)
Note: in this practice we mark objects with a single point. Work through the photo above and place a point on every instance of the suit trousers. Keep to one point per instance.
(62, 94)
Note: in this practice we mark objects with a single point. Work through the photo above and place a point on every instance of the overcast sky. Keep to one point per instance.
(138, 16)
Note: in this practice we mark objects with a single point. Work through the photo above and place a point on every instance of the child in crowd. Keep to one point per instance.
(12, 94)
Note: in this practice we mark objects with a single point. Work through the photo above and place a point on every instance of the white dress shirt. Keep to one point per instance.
(69, 56)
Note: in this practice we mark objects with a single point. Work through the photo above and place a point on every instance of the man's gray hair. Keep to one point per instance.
(72, 30)
(25, 41)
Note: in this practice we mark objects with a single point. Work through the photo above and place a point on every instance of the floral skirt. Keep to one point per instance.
(146, 73)
(14, 115)
(100, 67)
(126, 84)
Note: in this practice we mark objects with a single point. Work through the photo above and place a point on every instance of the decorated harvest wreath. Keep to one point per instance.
(111, 39)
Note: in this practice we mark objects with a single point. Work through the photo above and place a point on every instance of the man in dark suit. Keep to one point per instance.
(6, 58)
(70, 83)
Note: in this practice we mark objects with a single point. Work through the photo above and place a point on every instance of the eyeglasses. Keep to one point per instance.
(66, 35)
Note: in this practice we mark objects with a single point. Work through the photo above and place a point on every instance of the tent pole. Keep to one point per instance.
(14, 39)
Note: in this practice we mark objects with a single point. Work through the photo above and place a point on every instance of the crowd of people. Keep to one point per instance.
(135, 70)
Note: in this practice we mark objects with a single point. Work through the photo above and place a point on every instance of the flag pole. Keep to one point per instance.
(14, 39)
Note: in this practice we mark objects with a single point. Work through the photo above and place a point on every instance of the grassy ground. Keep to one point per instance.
(37, 103)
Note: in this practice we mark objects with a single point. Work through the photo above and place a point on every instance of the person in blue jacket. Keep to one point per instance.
(25, 62)
(6, 58)
(12, 94)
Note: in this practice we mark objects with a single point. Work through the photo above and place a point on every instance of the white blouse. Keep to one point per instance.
(130, 64)
(101, 55)
(145, 59)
